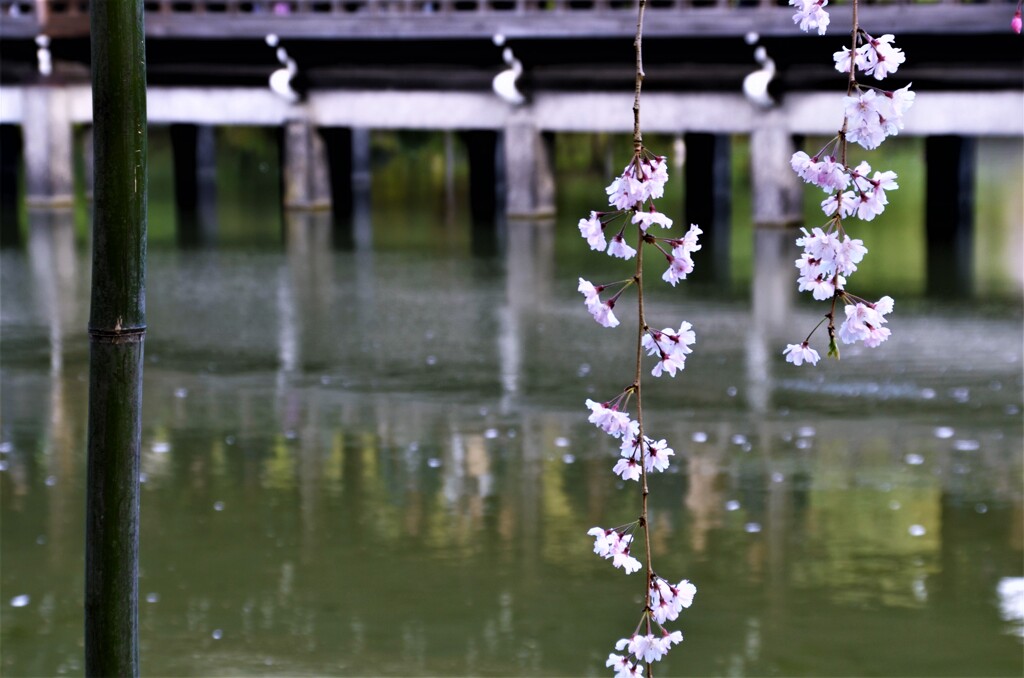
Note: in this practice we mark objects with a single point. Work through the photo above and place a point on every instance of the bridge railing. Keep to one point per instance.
(24, 18)
(41, 10)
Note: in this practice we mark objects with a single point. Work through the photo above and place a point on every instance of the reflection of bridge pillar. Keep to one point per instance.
(776, 190)
(303, 294)
(46, 131)
(10, 169)
(528, 264)
(348, 153)
(530, 189)
(362, 180)
(708, 185)
(774, 279)
(772, 291)
(51, 249)
(949, 213)
(306, 179)
(195, 183)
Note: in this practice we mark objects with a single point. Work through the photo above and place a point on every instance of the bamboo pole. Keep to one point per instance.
(117, 326)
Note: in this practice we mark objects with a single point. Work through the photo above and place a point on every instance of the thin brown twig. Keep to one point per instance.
(641, 325)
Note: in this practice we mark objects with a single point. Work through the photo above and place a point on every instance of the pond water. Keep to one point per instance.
(377, 462)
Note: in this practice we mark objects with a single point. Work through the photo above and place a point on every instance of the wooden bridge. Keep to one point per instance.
(429, 64)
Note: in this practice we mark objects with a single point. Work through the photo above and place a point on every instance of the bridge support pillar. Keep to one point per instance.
(486, 168)
(306, 179)
(530, 191)
(949, 214)
(195, 183)
(707, 193)
(46, 133)
(10, 164)
(777, 191)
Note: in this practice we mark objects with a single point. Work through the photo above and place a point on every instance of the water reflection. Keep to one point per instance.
(379, 459)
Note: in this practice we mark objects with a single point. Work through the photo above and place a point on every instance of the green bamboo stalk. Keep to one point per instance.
(117, 326)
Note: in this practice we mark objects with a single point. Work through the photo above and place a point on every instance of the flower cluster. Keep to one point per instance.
(615, 545)
(632, 194)
(829, 255)
(645, 648)
(671, 347)
(872, 115)
(864, 322)
(826, 261)
(642, 181)
(668, 600)
(811, 14)
(654, 455)
(877, 57)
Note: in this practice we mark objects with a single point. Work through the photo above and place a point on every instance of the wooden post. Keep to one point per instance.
(195, 183)
(10, 162)
(482, 151)
(949, 214)
(707, 201)
(117, 327)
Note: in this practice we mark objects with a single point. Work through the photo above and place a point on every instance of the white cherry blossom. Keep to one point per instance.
(798, 354)
(593, 230)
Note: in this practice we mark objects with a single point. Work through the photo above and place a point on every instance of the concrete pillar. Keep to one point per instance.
(950, 164)
(305, 174)
(10, 169)
(528, 169)
(707, 195)
(777, 191)
(195, 183)
(46, 134)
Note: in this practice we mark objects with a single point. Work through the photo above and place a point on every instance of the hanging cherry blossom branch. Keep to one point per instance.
(632, 194)
(870, 115)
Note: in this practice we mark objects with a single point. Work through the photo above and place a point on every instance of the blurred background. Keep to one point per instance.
(365, 446)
